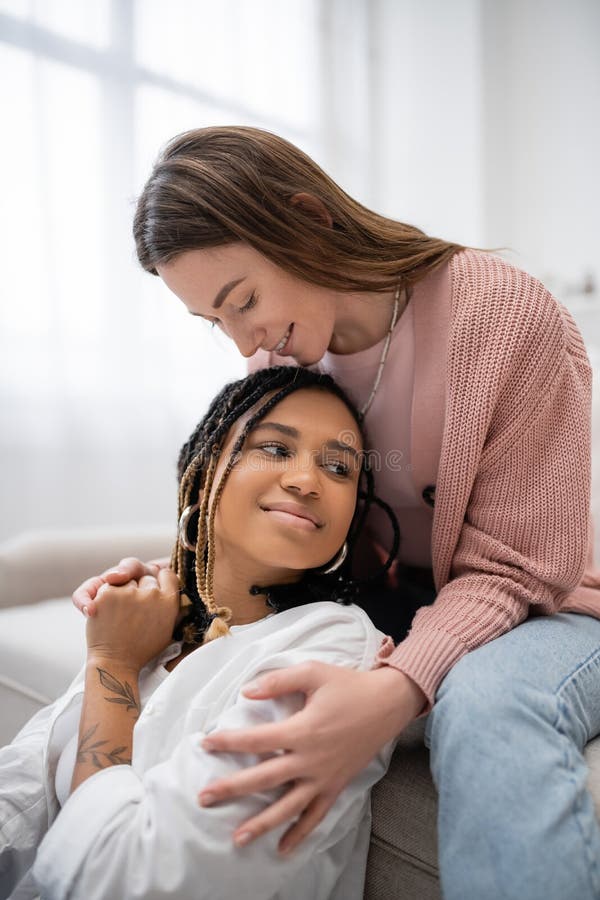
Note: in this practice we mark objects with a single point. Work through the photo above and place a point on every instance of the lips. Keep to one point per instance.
(293, 509)
(284, 340)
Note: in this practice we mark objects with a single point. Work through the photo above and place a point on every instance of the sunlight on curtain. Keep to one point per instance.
(103, 373)
(87, 23)
(259, 56)
(54, 273)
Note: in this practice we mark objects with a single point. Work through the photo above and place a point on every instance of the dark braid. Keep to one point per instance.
(196, 467)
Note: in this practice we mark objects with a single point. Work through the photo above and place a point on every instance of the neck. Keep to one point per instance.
(231, 587)
(363, 320)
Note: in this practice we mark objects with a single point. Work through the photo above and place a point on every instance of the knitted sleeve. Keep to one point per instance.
(518, 410)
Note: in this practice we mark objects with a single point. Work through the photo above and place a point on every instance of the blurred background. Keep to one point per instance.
(476, 120)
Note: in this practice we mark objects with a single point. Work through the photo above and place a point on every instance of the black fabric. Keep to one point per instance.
(392, 609)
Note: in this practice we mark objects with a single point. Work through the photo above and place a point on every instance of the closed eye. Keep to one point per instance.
(250, 303)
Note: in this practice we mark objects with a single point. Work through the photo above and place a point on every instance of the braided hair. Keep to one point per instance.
(193, 557)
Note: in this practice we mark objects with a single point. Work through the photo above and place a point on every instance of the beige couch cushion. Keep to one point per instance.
(53, 562)
(42, 647)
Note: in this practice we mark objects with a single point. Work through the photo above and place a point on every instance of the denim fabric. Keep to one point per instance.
(506, 736)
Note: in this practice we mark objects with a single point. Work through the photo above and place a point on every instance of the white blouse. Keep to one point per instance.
(137, 831)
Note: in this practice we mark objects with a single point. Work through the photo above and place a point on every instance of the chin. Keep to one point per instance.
(285, 567)
(310, 361)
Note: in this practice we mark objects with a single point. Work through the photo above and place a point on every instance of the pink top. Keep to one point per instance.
(390, 435)
(499, 424)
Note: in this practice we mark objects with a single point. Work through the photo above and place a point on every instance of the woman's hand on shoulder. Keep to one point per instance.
(348, 717)
(129, 569)
(135, 621)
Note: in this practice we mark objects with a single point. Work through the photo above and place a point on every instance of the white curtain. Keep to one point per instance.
(103, 374)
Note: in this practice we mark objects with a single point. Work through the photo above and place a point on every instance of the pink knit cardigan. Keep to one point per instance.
(503, 394)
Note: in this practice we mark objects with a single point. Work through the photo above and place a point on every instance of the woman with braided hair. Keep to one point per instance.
(274, 485)
(475, 386)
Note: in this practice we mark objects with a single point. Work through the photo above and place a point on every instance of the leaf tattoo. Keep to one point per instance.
(126, 696)
(114, 757)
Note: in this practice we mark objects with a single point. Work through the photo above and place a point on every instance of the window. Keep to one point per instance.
(103, 374)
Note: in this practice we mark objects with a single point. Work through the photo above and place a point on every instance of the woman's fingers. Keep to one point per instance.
(263, 777)
(314, 813)
(304, 677)
(258, 739)
(290, 805)
(146, 583)
(84, 597)
(163, 562)
(168, 582)
(129, 569)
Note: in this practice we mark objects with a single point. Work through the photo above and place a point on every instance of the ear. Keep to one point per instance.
(313, 207)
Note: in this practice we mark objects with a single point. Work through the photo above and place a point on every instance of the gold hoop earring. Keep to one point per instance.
(183, 525)
(337, 562)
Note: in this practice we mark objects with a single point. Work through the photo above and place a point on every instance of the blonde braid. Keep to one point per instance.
(185, 499)
(200, 566)
(218, 626)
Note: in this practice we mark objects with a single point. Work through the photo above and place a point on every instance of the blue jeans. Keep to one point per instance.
(506, 736)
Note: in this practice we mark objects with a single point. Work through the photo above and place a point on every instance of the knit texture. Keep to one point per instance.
(512, 504)
(512, 526)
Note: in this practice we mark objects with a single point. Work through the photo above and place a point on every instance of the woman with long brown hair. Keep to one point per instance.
(475, 388)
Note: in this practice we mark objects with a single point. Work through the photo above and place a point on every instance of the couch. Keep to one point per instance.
(42, 646)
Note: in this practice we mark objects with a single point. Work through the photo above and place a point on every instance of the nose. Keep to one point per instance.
(302, 476)
(248, 344)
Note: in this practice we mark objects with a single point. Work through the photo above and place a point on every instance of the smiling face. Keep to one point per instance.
(288, 502)
(256, 303)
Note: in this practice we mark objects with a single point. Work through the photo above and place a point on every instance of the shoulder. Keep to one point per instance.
(337, 633)
(487, 282)
(502, 306)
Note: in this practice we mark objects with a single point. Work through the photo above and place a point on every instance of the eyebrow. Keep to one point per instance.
(221, 296)
(293, 432)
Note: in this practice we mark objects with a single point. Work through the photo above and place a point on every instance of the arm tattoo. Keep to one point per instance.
(124, 691)
(96, 752)
(113, 757)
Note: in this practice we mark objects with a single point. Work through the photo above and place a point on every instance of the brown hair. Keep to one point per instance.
(219, 185)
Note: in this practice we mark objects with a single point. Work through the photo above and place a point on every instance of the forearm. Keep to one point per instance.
(111, 707)
(404, 697)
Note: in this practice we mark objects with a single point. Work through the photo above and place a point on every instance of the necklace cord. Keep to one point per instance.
(386, 347)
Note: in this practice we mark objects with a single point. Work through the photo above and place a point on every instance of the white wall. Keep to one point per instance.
(427, 86)
(541, 124)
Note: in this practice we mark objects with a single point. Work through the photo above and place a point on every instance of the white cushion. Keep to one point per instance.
(46, 563)
(42, 647)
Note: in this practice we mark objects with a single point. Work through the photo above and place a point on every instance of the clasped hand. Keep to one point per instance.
(134, 622)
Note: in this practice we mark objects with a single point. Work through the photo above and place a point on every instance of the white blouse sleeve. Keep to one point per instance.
(23, 804)
(123, 836)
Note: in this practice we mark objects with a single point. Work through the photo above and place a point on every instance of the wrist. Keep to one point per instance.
(112, 664)
(397, 686)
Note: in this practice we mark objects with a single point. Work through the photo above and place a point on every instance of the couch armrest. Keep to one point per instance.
(43, 564)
